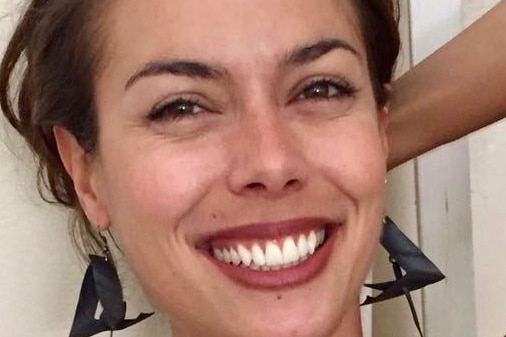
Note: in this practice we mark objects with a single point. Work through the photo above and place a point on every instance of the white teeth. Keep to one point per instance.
(275, 257)
(218, 254)
(258, 255)
(236, 260)
(311, 242)
(302, 246)
(245, 255)
(290, 252)
(226, 256)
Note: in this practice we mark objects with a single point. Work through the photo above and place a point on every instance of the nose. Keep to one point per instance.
(267, 159)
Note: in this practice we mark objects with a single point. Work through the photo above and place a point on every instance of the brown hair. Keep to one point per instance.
(54, 52)
(378, 20)
(57, 48)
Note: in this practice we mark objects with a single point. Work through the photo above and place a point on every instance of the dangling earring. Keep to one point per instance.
(404, 255)
(101, 284)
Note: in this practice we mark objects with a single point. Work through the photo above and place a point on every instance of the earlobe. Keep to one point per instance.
(79, 167)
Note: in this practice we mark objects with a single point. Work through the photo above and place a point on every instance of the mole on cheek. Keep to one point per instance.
(279, 297)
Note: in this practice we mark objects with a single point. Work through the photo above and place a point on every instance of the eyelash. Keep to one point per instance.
(179, 107)
(342, 89)
(174, 109)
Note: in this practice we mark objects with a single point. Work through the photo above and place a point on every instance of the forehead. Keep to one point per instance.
(224, 30)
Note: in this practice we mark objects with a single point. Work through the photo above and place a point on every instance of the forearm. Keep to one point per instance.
(457, 90)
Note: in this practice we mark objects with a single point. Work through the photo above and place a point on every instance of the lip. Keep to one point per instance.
(265, 231)
(273, 279)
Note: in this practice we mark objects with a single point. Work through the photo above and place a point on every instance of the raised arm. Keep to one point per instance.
(457, 90)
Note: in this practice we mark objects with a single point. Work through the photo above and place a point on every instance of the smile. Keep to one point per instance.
(273, 255)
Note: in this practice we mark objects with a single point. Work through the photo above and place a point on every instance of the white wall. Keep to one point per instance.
(488, 195)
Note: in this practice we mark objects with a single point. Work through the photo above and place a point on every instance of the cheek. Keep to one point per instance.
(349, 153)
(159, 184)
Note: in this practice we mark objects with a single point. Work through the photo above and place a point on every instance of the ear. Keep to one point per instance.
(83, 171)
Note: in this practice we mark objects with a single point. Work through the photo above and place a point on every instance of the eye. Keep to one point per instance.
(176, 109)
(325, 89)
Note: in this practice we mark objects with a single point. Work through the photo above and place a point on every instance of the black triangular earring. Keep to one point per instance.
(404, 255)
(101, 284)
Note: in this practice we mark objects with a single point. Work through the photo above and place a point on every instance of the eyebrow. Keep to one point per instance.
(309, 53)
(191, 69)
(199, 70)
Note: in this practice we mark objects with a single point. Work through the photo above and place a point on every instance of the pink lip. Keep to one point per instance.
(267, 231)
(286, 277)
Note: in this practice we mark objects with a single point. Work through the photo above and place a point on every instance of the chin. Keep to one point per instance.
(306, 317)
(286, 314)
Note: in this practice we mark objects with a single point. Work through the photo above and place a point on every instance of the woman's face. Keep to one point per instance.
(241, 131)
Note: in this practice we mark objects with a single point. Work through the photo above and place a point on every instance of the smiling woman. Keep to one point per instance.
(243, 183)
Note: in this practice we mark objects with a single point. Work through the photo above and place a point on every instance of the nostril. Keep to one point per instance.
(259, 186)
(292, 182)
(255, 186)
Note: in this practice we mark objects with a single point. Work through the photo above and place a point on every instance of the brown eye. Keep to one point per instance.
(319, 90)
(326, 89)
(174, 110)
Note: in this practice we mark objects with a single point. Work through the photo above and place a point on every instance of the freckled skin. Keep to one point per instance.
(256, 153)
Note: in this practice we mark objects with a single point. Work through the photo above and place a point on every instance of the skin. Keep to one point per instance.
(256, 151)
(457, 90)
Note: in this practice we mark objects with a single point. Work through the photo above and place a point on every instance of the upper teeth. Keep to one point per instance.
(274, 254)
